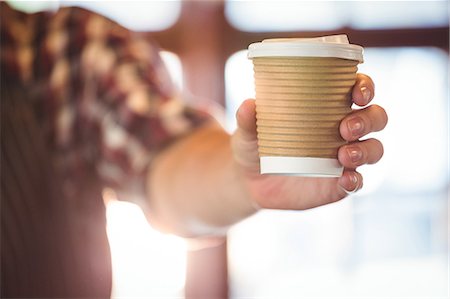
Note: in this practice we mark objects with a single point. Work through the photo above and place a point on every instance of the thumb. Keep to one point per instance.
(246, 119)
(244, 142)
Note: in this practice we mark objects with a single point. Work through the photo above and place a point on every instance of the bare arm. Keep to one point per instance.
(196, 187)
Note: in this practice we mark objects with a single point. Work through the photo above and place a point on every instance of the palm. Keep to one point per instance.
(288, 192)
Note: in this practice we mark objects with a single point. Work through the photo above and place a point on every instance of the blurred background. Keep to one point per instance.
(390, 240)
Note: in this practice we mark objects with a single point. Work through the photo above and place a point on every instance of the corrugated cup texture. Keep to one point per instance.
(300, 102)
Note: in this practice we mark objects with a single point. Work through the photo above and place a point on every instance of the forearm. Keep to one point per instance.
(195, 186)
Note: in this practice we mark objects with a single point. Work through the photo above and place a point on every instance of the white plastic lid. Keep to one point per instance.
(326, 46)
(301, 166)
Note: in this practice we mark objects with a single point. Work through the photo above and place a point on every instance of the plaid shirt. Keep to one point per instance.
(104, 105)
(104, 95)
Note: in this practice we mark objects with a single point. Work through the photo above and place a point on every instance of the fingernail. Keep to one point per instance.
(354, 153)
(356, 126)
(354, 179)
(366, 93)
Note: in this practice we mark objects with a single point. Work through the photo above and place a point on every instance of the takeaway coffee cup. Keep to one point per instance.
(303, 91)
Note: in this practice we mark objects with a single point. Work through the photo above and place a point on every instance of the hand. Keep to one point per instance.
(287, 192)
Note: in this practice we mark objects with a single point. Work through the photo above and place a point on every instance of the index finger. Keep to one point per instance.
(363, 91)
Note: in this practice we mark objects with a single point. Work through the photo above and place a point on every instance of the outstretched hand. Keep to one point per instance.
(298, 193)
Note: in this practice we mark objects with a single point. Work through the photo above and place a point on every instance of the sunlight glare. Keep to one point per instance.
(145, 262)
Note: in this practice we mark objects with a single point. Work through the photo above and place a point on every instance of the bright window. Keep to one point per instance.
(239, 85)
(283, 15)
(259, 15)
(398, 14)
(174, 67)
(135, 15)
(145, 262)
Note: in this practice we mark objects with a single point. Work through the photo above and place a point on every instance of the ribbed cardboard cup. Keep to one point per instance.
(301, 98)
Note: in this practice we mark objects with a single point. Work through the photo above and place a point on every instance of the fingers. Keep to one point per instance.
(243, 141)
(359, 153)
(357, 125)
(364, 90)
(362, 122)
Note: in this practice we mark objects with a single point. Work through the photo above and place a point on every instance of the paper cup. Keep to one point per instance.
(303, 91)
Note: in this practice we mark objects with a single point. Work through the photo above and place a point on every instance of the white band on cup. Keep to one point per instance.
(301, 166)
